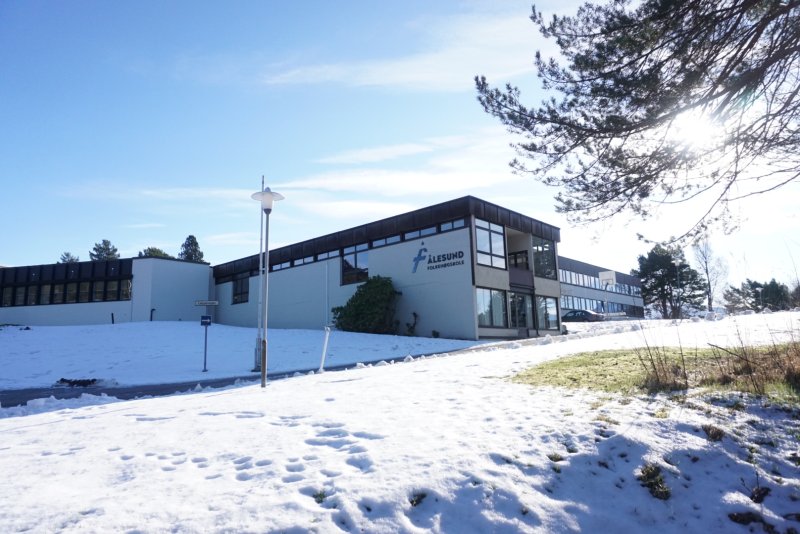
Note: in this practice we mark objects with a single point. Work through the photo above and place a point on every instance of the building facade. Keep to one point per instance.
(465, 268)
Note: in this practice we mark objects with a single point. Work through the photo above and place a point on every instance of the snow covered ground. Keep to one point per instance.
(441, 444)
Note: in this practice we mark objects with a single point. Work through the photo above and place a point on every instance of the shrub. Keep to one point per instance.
(370, 310)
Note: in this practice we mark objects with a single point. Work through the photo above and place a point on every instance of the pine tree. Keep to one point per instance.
(190, 250)
(634, 79)
(104, 251)
(154, 252)
(67, 257)
(668, 282)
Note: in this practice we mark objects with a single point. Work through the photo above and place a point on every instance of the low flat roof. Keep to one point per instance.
(398, 224)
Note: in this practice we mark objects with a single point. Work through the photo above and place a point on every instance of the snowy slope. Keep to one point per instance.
(441, 444)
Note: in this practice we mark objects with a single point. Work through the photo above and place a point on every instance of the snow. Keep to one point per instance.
(425, 444)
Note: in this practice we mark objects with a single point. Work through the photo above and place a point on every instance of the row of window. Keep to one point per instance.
(585, 280)
(490, 243)
(355, 259)
(579, 303)
(501, 309)
(58, 272)
(68, 293)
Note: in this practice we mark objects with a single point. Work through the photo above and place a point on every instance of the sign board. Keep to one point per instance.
(205, 320)
(206, 303)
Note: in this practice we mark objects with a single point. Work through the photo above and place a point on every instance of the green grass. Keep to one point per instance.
(766, 371)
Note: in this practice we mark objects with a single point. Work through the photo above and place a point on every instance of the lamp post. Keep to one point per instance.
(760, 296)
(267, 197)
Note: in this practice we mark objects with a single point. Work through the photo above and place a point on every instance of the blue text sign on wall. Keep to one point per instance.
(433, 262)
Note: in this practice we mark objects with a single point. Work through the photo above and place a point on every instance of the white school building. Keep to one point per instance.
(466, 268)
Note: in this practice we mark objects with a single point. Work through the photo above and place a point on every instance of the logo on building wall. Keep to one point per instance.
(437, 261)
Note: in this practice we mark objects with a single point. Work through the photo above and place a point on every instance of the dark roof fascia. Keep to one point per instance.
(592, 270)
(399, 224)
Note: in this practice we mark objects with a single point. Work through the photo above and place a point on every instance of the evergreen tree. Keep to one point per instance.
(190, 250)
(104, 251)
(154, 252)
(67, 257)
(739, 299)
(634, 79)
(370, 309)
(775, 296)
(668, 287)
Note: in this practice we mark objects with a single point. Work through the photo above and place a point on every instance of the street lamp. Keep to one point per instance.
(760, 296)
(267, 197)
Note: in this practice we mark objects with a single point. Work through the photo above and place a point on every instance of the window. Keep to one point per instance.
(19, 296)
(451, 225)
(241, 288)
(71, 293)
(112, 290)
(427, 231)
(518, 260)
(83, 291)
(544, 258)
(125, 290)
(98, 291)
(411, 235)
(8, 296)
(491, 307)
(58, 294)
(521, 310)
(44, 296)
(355, 264)
(546, 313)
(32, 295)
(491, 244)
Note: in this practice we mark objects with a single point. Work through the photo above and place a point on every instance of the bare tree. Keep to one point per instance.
(712, 267)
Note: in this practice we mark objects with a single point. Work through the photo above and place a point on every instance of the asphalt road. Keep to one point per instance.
(17, 397)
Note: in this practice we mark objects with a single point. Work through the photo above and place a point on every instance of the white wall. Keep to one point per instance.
(171, 287)
(67, 314)
(302, 297)
(440, 292)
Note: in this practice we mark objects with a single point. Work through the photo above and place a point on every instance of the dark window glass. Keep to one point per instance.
(125, 290)
(98, 291)
(34, 274)
(84, 291)
(32, 295)
(544, 258)
(19, 296)
(491, 244)
(72, 271)
(546, 313)
(427, 231)
(112, 290)
(44, 295)
(241, 289)
(491, 307)
(71, 294)
(8, 296)
(58, 294)
(355, 264)
(521, 310)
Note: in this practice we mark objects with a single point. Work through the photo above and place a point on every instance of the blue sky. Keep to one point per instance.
(144, 122)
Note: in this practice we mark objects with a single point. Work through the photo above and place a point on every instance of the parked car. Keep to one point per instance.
(581, 316)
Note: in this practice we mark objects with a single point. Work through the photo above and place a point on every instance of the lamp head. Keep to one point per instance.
(267, 197)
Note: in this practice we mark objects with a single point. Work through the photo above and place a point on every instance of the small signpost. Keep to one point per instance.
(205, 321)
